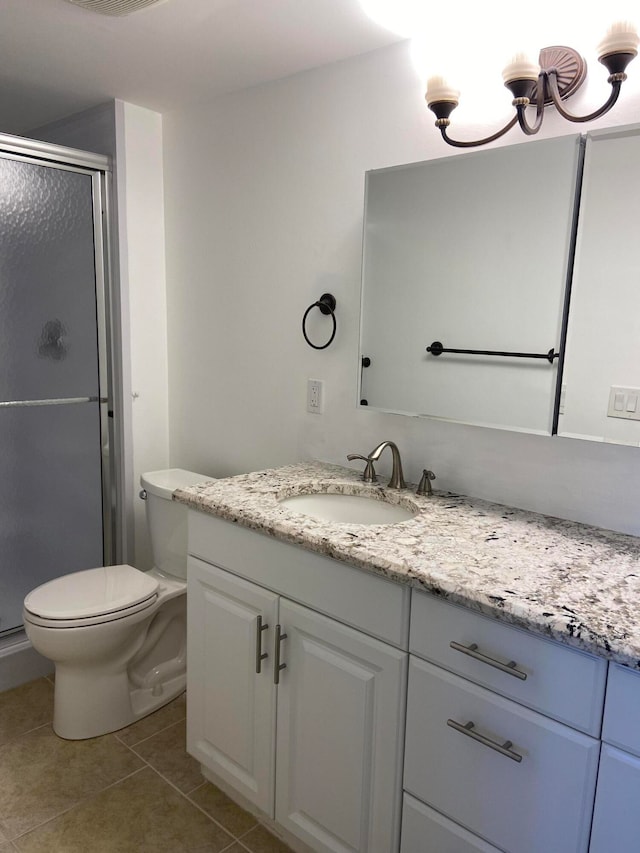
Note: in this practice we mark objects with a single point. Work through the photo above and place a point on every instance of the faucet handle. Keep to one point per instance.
(369, 475)
(424, 486)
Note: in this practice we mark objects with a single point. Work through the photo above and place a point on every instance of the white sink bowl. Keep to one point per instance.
(347, 509)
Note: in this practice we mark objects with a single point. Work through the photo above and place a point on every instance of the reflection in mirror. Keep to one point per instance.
(472, 251)
(601, 378)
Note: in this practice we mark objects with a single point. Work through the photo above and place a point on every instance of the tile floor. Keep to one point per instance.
(135, 791)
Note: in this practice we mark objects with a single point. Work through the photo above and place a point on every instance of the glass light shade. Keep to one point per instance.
(621, 37)
(438, 89)
(521, 67)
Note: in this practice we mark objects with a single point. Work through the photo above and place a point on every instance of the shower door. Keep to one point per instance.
(53, 404)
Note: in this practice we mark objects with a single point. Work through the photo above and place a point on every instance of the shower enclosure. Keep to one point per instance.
(56, 434)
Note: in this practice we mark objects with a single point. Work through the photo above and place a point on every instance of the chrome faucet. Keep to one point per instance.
(369, 475)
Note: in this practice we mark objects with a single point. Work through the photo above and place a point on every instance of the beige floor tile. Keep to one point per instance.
(142, 814)
(224, 810)
(258, 840)
(25, 708)
(41, 775)
(166, 752)
(151, 725)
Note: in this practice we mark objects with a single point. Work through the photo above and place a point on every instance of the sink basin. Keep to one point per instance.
(347, 509)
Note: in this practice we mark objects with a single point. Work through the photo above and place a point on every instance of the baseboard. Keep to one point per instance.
(20, 662)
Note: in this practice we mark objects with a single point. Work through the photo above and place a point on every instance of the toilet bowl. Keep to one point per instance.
(116, 635)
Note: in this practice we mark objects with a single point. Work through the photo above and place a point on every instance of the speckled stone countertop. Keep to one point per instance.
(576, 584)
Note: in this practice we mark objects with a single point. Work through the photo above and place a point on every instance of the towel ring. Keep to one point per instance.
(327, 305)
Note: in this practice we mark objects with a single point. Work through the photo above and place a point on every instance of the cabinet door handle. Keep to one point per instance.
(278, 666)
(260, 655)
(503, 748)
(472, 650)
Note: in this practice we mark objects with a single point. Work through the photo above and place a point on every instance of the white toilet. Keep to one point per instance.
(117, 635)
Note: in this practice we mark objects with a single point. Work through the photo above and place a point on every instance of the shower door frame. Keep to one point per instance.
(99, 169)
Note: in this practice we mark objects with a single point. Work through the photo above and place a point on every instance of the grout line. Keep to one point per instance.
(197, 788)
(191, 802)
(75, 805)
(48, 724)
(244, 846)
(145, 739)
(258, 824)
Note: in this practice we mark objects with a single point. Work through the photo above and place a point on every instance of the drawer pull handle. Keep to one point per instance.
(260, 655)
(472, 651)
(277, 667)
(502, 748)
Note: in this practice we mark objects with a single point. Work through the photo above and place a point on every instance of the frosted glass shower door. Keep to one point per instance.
(51, 518)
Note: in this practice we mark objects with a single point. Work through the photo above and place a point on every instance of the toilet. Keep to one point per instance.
(116, 635)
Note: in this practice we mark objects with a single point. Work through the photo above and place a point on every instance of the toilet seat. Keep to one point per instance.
(91, 597)
(88, 621)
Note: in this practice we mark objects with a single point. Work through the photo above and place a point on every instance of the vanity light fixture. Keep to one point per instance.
(559, 72)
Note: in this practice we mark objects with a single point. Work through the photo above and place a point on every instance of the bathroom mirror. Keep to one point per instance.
(472, 251)
(601, 379)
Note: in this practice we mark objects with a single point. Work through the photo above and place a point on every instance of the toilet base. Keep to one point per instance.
(144, 702)
(142, 670)
(109, 702)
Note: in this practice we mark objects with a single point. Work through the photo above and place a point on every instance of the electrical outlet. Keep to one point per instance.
(315, 395)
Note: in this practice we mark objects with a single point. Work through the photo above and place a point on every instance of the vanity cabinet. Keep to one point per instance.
(303, 672)
(299, 712)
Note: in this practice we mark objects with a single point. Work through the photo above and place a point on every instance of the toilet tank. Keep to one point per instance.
(167, 519)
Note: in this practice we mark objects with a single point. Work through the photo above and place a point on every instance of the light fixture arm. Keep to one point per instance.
(521, 105)
(461, 144)
(551, 82)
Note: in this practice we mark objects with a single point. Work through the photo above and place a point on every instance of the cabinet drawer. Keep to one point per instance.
(563, 683)
(354, 596)
(542, 802)
(621, 725)
(426, 831)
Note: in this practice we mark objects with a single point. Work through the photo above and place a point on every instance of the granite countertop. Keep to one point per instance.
(568, 581)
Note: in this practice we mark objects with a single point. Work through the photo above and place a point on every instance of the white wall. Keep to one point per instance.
(264, 204)
(142, 261)
(132, 136)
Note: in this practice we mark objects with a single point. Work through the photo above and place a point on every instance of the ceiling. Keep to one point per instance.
(58, 59)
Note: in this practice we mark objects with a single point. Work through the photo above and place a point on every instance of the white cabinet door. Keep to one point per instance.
(340, 733)
(231, 708)
(616, 819)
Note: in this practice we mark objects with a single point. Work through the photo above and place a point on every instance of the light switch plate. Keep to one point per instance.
(624, 403)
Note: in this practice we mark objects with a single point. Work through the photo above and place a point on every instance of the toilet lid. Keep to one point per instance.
(93, 592)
